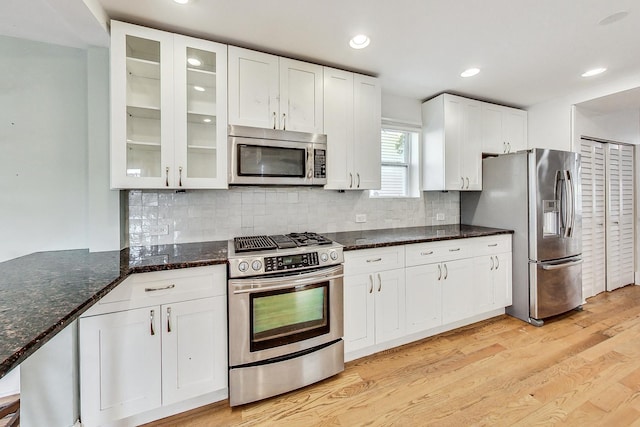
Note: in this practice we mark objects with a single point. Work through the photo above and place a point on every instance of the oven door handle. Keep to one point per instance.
(243, 286)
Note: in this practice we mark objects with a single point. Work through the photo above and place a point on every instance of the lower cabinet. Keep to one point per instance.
(140, 359)
(444, 285)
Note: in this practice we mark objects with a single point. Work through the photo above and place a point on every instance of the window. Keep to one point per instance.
(399, 162)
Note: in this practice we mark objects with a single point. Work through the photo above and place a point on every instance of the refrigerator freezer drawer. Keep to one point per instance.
(556, 287)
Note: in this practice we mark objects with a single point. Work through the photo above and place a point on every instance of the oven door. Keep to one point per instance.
(277, 316)
(269, 162)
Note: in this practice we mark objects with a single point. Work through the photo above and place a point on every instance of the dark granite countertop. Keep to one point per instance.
(352, 240)
(41, 293)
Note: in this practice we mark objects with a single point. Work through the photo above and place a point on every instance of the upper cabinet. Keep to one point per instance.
(270, 92)
(168, 110)
(352, 114)
(452, 144)
(504, 129)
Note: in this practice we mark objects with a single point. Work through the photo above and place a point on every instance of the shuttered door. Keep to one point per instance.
(593, 217)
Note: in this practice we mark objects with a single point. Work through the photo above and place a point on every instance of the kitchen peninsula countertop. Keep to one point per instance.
(41, 293)
(366, 239)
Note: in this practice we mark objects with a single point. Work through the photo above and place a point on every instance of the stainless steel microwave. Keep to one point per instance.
(276, 157)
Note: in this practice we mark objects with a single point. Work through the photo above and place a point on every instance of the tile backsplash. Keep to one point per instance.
(203, 215)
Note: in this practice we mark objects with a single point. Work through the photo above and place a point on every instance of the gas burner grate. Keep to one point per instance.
(309, 238)
(253, 243)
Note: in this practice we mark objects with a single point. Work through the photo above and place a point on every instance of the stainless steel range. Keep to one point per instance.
(285, 314)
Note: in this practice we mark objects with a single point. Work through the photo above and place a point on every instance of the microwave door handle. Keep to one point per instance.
(309, 163)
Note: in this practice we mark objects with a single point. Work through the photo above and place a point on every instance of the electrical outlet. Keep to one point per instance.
(361, 217)
(159, 230)
(440, 217)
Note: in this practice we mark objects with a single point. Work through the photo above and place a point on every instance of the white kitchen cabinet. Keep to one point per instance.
(157, 339)
(492, 288)
(168, 110)
(452, 144)
(458, 295)
(504, 129)
(424, 297)
(270, 92)
(352, 117)
(374, 297)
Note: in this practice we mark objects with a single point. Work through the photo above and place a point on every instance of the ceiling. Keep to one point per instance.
(528, 51)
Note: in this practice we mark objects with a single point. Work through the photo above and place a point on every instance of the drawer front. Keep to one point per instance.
(491, 245)
(427, 253)
(371, 260)
(162, 287)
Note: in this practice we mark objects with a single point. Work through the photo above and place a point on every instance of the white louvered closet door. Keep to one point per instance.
(593, 217)
(620, 212)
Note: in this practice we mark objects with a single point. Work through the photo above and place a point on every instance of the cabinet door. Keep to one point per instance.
(390, 305)
(457, 290)
(194, 348)
(200, 71)
(338, 126)
(502, 280)
(483, 284)
(141, 107)
(514, 129)
(301, 107)
(367, 116)
(424, 297)
(453, 144)
(471, 154)
(120, 364)
(492, 141)
(359, 327)
(253, 88)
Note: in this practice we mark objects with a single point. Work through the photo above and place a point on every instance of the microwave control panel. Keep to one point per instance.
(320, 163)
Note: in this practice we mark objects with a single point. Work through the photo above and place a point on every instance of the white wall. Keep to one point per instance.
(44, 167)
(401, 109)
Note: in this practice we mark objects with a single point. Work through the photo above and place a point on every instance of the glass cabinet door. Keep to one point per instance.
(200, 69)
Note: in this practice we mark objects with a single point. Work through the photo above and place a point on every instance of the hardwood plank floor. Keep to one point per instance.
(579, 369)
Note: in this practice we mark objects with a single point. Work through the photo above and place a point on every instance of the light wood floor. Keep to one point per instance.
(581, 369)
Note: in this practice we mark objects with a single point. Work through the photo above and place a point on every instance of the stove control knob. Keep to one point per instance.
(256, 265)
(243, 266)
(334, 255)
(324, 257)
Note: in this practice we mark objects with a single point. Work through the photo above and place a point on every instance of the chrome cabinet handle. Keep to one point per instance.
(491, 268)
(454, 250)
(426, 253)
(358, 175)
(462, 187)
(152, 316)
(497, 263)
(374, 260)
(350, 180)
(439, 272)
(379, 283)
(446, 272)
(467, 178)
(160, 288)
(284, 121)
(371, 280)
(168, 319)
(180, 176)
(275, 116)
(166, 182)
(492, 245)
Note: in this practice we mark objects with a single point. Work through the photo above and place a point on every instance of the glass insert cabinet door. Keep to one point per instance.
(168, 123)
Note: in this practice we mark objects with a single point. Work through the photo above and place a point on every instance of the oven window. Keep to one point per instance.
(255, 160)
(289, 315)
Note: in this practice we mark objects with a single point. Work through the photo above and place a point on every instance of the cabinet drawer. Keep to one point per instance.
(492, 244)
(162, 287)
(370, 260)
(427, 253)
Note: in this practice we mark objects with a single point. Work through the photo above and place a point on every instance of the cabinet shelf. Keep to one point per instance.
(201, 148)
(143, 143)
(143, 68)
(206, 79)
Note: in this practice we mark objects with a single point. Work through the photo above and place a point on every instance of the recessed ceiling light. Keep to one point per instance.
(470, 72)
(614, 17)
(594, 72)
(181, 1)
(199, 88)
(194, 61)
(360, 41)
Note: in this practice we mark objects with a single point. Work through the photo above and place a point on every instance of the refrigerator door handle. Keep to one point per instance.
(559, 266)
(572, 203)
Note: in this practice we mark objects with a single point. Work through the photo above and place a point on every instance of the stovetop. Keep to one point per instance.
(278, 241)
(261, 255)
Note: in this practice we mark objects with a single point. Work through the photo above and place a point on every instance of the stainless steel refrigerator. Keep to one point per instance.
(537, 194)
